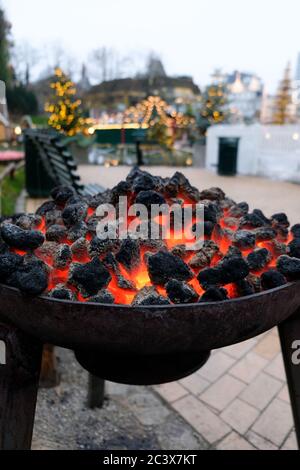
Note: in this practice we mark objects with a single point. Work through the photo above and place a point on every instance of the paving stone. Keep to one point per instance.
(284, 394)
(234, 442)
(259, 442)
(275, 422)
(171, 391)
(269, 346)
(222, 392)
(239, 350)
(276, 368)
(261, 391)
(203, 420)
(173, 433)
(248, 367)
(216, 366)
(148, 410)
(239, 415)
(291, 442)
(195, 383)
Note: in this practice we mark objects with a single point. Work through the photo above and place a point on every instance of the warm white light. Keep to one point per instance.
(296, 136)
(268, 136)
(189, 161)
(18, 130)
(91, 130)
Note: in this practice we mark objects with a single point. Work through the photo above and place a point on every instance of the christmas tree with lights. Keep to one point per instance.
(65, 108)
(213, 109)
(282, 113)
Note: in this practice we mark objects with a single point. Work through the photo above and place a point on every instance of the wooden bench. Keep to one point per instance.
(49, 163)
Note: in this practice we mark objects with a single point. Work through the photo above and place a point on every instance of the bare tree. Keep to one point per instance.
(25, 58)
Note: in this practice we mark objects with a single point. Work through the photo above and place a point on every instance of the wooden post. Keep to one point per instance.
(19, 378)
(96, 389)
(289, 332)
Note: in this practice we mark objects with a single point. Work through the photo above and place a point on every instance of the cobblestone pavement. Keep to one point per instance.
(238, 400)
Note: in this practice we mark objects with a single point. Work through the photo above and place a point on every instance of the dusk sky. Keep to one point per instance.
(192, 36)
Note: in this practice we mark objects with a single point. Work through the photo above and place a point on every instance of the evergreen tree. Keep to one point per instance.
(4, 48)
(65, 108)
(213, 109)
(282, 106)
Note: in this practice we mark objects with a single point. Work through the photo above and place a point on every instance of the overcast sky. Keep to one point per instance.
(191, 36)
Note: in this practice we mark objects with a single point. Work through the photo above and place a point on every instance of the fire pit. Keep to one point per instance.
(174, 305)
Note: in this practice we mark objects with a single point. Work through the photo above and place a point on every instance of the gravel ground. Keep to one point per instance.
(132, 417)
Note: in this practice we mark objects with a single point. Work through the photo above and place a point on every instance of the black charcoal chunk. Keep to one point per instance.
(147, 198)
(144, 182)
(295, 230)
(63, 257)
(100, 247)
(90, 277)
(289, 267)
(254, 220)
(271, 279)
(9, 262)
(149, 296)
(213, 194)
(129, 253)
(48, 206)
(22, 239)
(181, 293)
(79, 230)
(135, 173)
(244, 239)
(61, 194)
(74, 214)
(208, 229)
(227, 271)
(122, 189)
(61, 292)
(3, 247)
(265, 233)
(258, 259)
(103, 297)
(29, 221)
(53, 218)
(209, 277)
(214, 294)
(164, 266)
(56, 233)
(244, 288)
(31, 278)
(210, 213)
(294, 248)
(80, 249)
(238, 210)
(204, 256)
(280, 219)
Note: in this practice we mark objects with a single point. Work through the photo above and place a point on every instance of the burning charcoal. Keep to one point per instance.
(254, 281)
(280, 219)
(227, 271)
(153, 245)
(63, 257)
(47, 252)
(29, 221)
(232, 251)
(22, 239)
(149, 296)
(204, 256)
(264, 234)
(238, 210)
(214, 294)
(258, 259)
(61, 194)
(147, 198)
(192, 193)
(254, 220)
(208, 229)
(213, 194)
(31, 278)
(3, 246)
(77, 231)
(164, 266)
(244, 288)
(80, 249)
(100, 247)
(289, 267)
(9, 263)
(90, 277)
(124, 283)
(181, 293)
(179, 250)
(122, 189)
(74, 214)
(244, 239)
(129, 253)
(294, 248)
(48, 206)
(295, 230)
(53, 218)
(56, 233)
(271, 279)
(210, 212)
(103, 297)
(231, 222)
(218, 233)
(101, 198)
(135, 173)
(275, 247)
(144, 182)
(92, 223)
(61, 292)
(282, 233)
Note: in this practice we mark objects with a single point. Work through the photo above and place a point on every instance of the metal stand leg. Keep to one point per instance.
(49, 376)
(96, 388)
(289, 332)
(19, 377)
